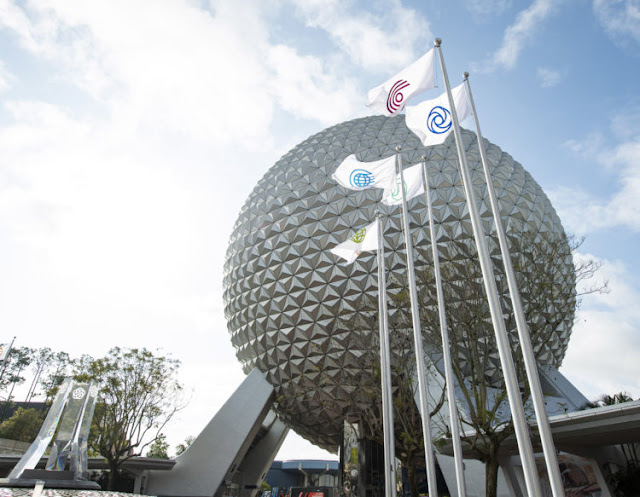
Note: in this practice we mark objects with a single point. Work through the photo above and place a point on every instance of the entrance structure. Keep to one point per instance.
(232, 454)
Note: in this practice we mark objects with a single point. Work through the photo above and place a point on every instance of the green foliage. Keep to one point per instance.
(181, 447)
(139, 395)
(159, 448)
(41, 359)
(608, 400)
(23, 426)
(57, 369)
(18, 360)
(626, 482)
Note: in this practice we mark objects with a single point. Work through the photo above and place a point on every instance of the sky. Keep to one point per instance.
(131, 132)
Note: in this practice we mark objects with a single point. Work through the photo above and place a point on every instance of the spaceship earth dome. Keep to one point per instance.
(290, 303)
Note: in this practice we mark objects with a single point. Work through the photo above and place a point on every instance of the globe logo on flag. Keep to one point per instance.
(359, 236)
(395, 98)
(439, 120)
(361, 178)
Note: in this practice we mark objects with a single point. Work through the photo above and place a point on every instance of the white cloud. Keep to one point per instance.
(605, 328)
(303, 87)
(584, 212)
(548, 77)
(5, 77)
(387, 39)
(519, 33)
(620, 19)
(114, 221)
(158, 66)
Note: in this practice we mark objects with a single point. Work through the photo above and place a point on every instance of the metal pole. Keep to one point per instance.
(537, 397)
(521, 427)
(446, 347)
(385, 373)
(417, 339)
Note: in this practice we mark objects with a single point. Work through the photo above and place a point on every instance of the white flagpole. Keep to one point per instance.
(537, 397)
(521, 427)
(446, 347)
(385, 373)
(417, 339)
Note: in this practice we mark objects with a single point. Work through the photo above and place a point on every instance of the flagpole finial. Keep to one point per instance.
(398, 148)
(423, 157)
(466, 75)
(438, 42)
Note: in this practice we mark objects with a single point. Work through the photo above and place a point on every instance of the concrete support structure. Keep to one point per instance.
(236, 437)
(258, 460)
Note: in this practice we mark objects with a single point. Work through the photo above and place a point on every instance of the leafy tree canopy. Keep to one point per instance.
(23, 426)
(159, 448)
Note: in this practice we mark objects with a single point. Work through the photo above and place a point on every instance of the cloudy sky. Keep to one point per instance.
(131, 132)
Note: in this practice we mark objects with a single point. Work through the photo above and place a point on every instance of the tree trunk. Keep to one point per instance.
(491, 471)
(113, 475)
(412, 476)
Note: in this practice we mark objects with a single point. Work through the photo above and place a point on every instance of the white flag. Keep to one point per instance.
(365, 240)
(357, 175)
(4, 350)
(390, 97)
(431, 120)
(413, 186)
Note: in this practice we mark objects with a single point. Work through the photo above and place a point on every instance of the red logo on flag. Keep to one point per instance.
(396, 98)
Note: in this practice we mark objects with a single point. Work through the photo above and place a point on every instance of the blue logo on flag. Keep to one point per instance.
(361, 178)
(439, 120)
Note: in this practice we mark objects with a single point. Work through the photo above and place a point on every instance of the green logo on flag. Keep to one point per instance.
(396, 194)
(359, 236)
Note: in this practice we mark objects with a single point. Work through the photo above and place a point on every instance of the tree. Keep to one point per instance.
(18, 359)
(608, 400)
(139, 395)
(366, 401)
(158, 449)
(367, 404)
(40, 360)
(23, 426)
(625, 481)
(54, 374)
(181, 447)
(540, 276)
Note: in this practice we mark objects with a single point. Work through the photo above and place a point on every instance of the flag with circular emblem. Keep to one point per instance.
(4, 350)
(413, 186)
(365, 240)
(391, 96)
(357, 175)
(431, 120)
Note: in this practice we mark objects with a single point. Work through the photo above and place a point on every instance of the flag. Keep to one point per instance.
(390, 97)
(365, 240)
(4, 350)
(357, 175)
(431, 120)
(413, 186)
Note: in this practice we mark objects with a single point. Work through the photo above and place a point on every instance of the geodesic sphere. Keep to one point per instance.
(291, 304)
